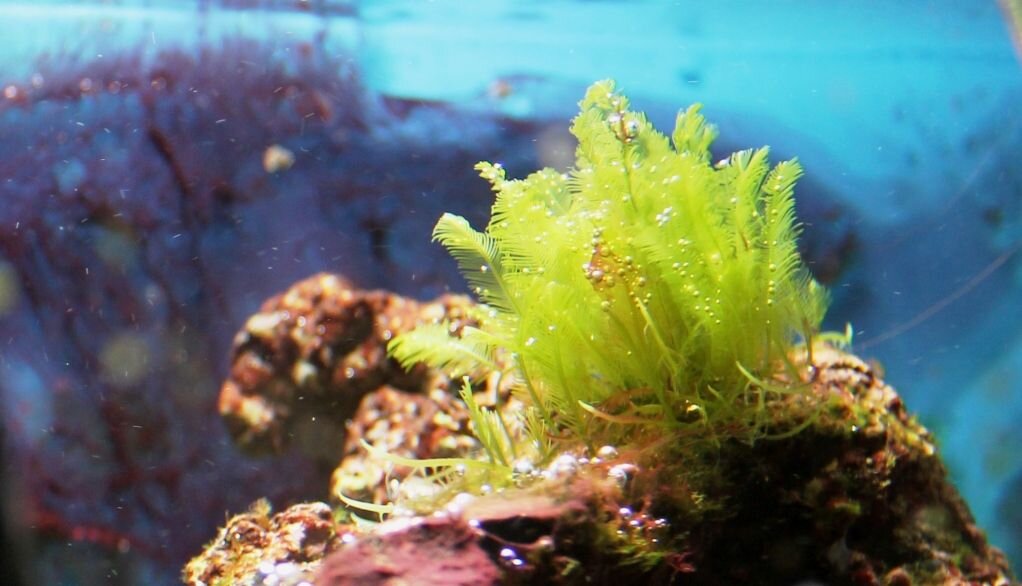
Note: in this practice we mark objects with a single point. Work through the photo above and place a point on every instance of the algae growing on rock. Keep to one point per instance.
(645, 397)
(647, 288)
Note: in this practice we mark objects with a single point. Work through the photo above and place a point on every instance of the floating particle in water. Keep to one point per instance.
(277, 158)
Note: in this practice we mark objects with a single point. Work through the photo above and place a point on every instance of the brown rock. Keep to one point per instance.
(302, 364)
(858, 495)
(254, 546)
(401, 424)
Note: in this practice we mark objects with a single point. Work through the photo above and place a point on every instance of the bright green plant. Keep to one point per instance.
(647, 288)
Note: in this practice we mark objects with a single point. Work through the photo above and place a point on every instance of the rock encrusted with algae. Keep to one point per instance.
(409, 425)
(859, 496)
(257, 548)
(643, 309)
(301, 365)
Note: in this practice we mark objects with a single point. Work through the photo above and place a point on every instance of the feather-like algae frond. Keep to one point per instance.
(646, 285)
(433, 344)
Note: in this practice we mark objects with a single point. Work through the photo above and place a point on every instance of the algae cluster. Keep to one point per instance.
(647, 289)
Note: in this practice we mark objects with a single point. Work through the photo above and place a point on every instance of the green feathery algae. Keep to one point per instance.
(645, 288)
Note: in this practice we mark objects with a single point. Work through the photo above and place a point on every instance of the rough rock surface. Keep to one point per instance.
(430, 552)
(403, 424)
(256, 548)
(303, 363)
(858, 496)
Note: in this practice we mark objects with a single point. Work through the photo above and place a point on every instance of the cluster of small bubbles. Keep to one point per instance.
(510, 557)
(563, 466)
(523, 467)
(622, 474)
(271, 573)
(599, 277)
(641, 526)
(664, 216)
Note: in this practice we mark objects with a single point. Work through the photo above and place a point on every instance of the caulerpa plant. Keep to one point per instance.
(647, 289)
